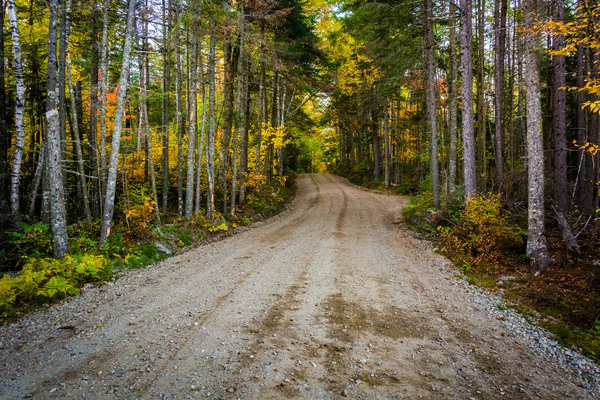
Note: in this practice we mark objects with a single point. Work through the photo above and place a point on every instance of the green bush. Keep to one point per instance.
(33, 240)
(481, 234)
(420, 213)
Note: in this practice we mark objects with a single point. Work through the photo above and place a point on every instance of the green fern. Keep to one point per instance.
(57, 287)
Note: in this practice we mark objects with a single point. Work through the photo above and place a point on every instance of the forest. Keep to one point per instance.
(130, 129)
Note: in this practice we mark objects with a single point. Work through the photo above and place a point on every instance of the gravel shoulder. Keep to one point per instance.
(330, 299)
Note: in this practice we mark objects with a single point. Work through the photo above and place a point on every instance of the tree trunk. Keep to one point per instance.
(165, 102)
(77, 144)
(210, 148)
(62, 103)
(500, 9)
(178, 94)
(5, 140)
(54, 167)
(93, 133)
(189, 187)
(245, 130)
(145, 124)
(202, 136)
(536, 243)
(228, 76)
(103, 92)
(241, 110)
(15, 174)
(559, 130)
(262, 101)
(466, 11)
(452, 103)
(430, 100)
(111, 182)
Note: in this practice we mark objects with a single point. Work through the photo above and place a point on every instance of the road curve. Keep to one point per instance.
(330, 299)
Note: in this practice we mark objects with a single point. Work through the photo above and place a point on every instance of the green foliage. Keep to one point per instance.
(8, 295)
(481, 234)
(46, 279)
(420, 213)
(33, 240)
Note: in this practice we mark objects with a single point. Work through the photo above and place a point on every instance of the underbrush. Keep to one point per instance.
(486, 241)
(31, 278)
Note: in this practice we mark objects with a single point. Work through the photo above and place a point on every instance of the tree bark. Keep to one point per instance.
(54, 167)
(178, 95)
(111, 182)
(103, 92)
(559, 130)
(189, 188)
(430, 100)
(241, 110)
(165, 102)
(197, 205)
(228, 76)
(244, 135)
(5, 140)
(452, 103)
(466, 10)
(15, 174)
(262, 101)
(93, 133)
(77, 144)
(210, 148)
(500, 10)
(536, 243)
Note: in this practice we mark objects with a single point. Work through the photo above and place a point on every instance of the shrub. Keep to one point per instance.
(44, 279)
(33, 240)
(420, 213)
(481, 233)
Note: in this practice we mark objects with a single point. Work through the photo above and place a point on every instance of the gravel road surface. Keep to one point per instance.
(333, 299)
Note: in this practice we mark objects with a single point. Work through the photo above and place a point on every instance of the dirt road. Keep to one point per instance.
(330, 299)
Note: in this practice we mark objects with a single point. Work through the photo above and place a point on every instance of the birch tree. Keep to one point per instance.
(54, 168)
(15, 173)
(111, 182)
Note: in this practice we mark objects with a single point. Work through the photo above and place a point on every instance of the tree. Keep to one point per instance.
(468, 127)
(537, 250)
(429, 69)
(210, 148)
(15, 175)
(54, 168)
(189, 189)
(500, 9)
(111, 182)
(4, 134)
(452, 101)
(559, 129)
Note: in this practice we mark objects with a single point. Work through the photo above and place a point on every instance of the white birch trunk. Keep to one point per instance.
(15, 173)
(54, 153)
